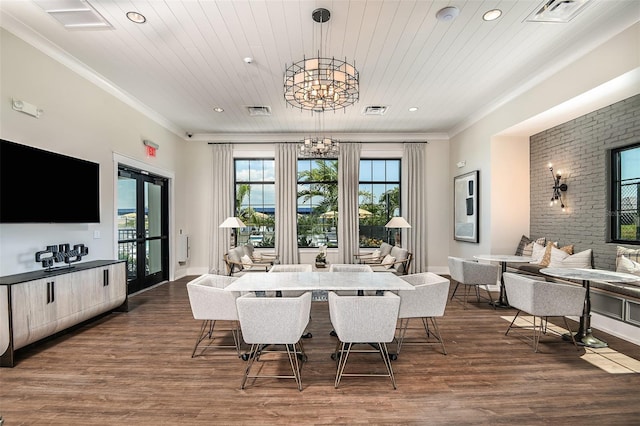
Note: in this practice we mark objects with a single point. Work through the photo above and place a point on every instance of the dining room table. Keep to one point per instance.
(327, 281)
(503, 259)
(585, 336)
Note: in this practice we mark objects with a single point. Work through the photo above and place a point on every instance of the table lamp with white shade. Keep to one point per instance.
(233, 223)
(397, 222)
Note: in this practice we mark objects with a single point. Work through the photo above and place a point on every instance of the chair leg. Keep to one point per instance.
(384, 352)
(490, 298)
(295, 364)
(404, 323)
(454, 290)
(202, 334)
(437, 334)
(512, 321)
(573, 339)
(537, 331)
(342, 357)
(253, 355)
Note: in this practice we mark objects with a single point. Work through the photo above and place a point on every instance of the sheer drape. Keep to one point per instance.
(222, 200)
(414, 210)
(348, 178)
(286, 203)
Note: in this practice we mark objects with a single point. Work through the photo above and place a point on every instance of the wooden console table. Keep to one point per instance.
(38, 304)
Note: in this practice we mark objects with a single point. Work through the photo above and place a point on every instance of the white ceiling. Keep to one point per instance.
(188, 58)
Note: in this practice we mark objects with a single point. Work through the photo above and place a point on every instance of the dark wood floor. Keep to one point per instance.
(135, 368)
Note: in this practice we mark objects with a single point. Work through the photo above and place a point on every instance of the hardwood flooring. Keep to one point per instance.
(136, 368)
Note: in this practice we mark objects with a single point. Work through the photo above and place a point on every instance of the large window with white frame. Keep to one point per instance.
(625, 194)
(255, 200)
(379, 199)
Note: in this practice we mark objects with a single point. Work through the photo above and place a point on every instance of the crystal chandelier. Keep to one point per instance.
(314, 147)
(321, 83)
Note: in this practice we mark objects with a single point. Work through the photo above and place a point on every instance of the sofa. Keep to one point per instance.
(620, 301)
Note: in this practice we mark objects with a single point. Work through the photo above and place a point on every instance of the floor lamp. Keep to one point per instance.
(233, 223)
(397, 223)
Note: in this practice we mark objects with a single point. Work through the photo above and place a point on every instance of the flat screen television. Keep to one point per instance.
(38, 186)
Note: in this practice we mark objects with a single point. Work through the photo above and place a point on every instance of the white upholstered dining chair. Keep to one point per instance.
(211, 304)
(426, 302)
(367, 320)
(470, 274)
(542, 299)
(274, 321)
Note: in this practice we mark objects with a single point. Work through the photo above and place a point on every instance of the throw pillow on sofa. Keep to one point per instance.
(546, 258)
(630, 254)
(525, 247)
(628, 266)
(561, 259)
(388, 261)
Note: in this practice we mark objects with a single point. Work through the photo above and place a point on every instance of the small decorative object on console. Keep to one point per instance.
(61, 253)
(321, 257)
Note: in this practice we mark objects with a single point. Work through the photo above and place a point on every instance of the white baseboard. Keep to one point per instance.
(625, 331)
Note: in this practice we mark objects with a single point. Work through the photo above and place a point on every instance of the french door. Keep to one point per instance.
(143, 227)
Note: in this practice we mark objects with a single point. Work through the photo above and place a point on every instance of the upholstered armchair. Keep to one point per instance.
(238, 263)
(542, 299)
(472, 274)
(374, 257)
(369, 320)
(426, 302)
(210, 303)
(398, 262)
(274, 321)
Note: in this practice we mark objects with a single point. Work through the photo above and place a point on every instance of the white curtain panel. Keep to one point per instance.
(222, 184)
(286, 203)
(348, 177)
(414, 200)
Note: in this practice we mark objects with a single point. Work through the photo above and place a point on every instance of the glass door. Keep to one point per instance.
(143, 227)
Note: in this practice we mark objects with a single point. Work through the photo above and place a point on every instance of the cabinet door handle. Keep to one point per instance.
(105, 278)
(48, 293)
(53, 291)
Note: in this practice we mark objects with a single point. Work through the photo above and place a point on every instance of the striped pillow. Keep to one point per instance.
(528, 248)
(631, 254)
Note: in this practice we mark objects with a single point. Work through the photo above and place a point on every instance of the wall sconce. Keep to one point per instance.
(557, 188)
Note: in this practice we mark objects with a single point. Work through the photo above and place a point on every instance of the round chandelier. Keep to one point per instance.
(315, 147)
(321, 83)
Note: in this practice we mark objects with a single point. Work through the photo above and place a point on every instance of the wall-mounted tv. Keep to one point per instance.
(38, 186)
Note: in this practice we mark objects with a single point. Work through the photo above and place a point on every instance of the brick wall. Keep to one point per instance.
(580, 149)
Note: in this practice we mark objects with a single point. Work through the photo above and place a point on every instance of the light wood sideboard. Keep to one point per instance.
(35, 305)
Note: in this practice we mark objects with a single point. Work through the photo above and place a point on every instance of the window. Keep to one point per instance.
(255, 201)
(317, 203)
(625, 194)
(379, 199)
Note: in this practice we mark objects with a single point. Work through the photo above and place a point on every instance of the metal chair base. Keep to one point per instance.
(206, 332)
(478, 297)
(404, 326)
(296, 357)
(342, 355)
(539, 330)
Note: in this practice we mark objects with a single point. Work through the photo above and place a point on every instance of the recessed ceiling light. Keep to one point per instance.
(136, 17)
(492, 15)
(218, 109)
(413, 109)
(248, 59)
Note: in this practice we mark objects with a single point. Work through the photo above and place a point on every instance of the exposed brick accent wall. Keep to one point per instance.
(580, 149)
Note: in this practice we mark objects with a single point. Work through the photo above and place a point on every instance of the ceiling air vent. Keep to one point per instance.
(557, 10)
(374, 110)
(75, 14)
(259, 111)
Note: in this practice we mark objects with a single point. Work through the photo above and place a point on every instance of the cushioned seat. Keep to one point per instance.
(211, 303)
(397, 262)
(274, 321)
(426, 302)
(470, 273)
(363, 320)
(543, 299)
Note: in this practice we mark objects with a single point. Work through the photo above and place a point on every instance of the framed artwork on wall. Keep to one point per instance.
(465, 207)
